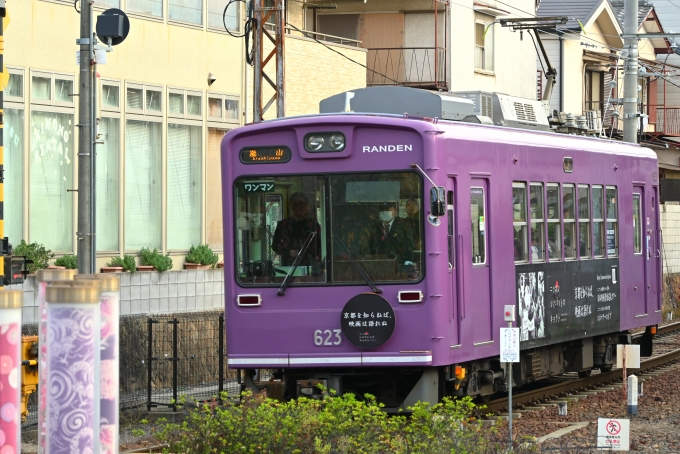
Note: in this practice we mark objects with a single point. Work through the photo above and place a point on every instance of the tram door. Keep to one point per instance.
(452, 239)
(641, 252)
(655, 253)
(477, 299)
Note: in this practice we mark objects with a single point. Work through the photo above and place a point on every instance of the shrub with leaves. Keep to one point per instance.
(70, 262)
(203, 255)
(337, 424)
(37, 252)
(154, 258)
(127, 262)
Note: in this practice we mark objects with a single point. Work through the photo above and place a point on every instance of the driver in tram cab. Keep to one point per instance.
(292, 232)
(392, 236)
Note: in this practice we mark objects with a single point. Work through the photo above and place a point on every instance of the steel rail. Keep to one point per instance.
(558, 389)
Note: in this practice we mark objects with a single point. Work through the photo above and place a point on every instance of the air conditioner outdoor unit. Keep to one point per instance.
(482, 100)
(519, 113)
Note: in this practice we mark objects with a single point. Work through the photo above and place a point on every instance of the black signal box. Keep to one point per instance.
(15, 269)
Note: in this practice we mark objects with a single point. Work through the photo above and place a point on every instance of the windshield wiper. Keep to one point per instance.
(361, 271)
(301, 253)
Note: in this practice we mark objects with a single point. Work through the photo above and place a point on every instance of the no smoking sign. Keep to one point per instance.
(613, 434)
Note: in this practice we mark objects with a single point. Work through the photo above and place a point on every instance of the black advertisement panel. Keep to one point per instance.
(367, 321)
(562, 301)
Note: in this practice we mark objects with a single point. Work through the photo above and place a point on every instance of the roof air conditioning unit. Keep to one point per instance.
(482, 100)
(519, 113)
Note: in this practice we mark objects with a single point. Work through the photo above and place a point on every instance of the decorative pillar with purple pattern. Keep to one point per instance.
(45, 276)
(109, 305)
(11, 302)
(72, 416)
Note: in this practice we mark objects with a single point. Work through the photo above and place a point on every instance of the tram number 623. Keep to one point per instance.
(327, 337)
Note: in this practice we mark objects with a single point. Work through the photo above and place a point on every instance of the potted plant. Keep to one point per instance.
(69, 262)
(200, 257)
(154, 260)
(37, 253)
(120, 264)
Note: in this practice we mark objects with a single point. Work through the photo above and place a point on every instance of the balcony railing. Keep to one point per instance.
(423, 67)
(667, 120)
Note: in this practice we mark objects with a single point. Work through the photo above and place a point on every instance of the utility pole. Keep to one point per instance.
(630, 83)
(262, 15)
(85, 234)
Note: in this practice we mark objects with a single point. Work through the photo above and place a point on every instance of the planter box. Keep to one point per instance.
(195, 266)
(112, 269)
(145, 268)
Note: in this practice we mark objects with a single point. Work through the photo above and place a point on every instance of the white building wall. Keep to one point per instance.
(552, 48)
(670, 226)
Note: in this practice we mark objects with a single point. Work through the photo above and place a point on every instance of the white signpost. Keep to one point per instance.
(509, 354)
(613, 433)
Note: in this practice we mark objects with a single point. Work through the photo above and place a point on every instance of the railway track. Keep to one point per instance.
(668, 353)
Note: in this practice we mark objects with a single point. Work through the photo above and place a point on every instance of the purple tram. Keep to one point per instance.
(377, 253)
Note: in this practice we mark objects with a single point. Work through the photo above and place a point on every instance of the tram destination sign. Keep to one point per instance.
(562, 301)
(265, 155)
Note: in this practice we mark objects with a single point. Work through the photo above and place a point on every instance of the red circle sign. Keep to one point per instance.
(613, 427)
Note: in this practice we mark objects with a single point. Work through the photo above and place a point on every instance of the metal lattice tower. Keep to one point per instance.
(262, 14)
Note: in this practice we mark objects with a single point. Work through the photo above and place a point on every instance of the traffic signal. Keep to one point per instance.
(15, 269)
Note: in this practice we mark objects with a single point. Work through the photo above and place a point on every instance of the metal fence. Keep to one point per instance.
(164, 357)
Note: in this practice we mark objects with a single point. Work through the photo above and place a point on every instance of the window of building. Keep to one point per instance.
(584, 221)
(184, 185)
(147, 7)
(184, 104)
(554, 227)
(52, 89)
(223, 109)
(537, 225)
(217, 19)
(484, 45)
(144, 99)
(569, 218)
(612, 222)
(110, 96)
(107, 3)
(478, 236)
(598, 221)
(108, 184)
(519, 204)
(637, 224)
(51, 167)
(15, 86)
(142, 184)
(13, 167)
(190, 11)
(213, 190)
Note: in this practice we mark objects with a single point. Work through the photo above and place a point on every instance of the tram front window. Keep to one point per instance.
(282, 229)
(372, 228)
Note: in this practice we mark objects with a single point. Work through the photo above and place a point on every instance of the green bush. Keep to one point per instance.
(337, 424)
(154, 258)
(35, 251)
(68, 261)
(203, 255)
(127, 262)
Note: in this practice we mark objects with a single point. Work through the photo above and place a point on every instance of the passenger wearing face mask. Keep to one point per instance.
(392, 236)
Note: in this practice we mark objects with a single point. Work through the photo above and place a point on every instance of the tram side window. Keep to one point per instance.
(584, 221)
(554, 227)
(478, 225)
(519, 210)
(612, 224)
(537, 219)
(637, 225)
(569, 221)
(598, 222)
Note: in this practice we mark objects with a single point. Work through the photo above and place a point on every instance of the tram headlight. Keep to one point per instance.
(314, 143)
(337, 142)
